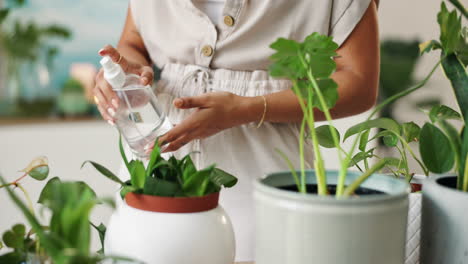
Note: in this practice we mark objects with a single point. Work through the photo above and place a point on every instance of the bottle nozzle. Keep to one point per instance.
(113, 73)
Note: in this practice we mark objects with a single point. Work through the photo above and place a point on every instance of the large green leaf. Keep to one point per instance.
(122, 153)
(324, 136)
(360, 156)
(435, 149)
(363, 140)
(384, 123)
(104, 171)
(411, 131)
(319, 51)
(154, 158)
(137, 173)
(456, 73)
(195, 184)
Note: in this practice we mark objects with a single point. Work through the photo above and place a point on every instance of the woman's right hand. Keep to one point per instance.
(105, 98)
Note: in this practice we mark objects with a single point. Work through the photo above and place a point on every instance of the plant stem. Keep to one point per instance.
(16, 181)
(354, 185)
(303, 188)
(28, 198)
(465, 176)
(291, 168)
(410, 150)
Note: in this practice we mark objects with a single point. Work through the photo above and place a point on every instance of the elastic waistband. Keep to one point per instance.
(189, 80)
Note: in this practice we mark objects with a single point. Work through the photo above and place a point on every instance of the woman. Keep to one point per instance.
(215, 86)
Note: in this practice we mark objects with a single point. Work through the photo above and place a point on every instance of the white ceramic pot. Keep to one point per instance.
(170, 238)
(293, 228)
(444, 232)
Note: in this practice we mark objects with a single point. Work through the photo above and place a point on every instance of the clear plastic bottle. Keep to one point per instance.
(139, 117)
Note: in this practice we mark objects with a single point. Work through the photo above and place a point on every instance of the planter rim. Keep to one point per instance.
(401, 190)
(434, 178)
(163, 204)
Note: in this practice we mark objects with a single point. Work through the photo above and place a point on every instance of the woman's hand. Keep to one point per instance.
(106, 99)
(215, 112)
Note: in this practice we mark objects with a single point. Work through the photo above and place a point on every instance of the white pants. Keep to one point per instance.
(246, 151)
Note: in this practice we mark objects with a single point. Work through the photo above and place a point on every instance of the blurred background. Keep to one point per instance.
(48, 58)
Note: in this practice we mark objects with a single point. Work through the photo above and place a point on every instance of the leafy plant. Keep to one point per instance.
(442, 146)
(66, 238)
(172, 177)
(309, 65)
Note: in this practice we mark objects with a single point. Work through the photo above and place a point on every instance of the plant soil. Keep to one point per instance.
(450, 182)
(312, 188)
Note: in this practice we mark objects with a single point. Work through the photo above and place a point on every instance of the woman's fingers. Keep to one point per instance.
(178, 131)
(115, 55)
(146, 75)
(178, 143)
(192, 102)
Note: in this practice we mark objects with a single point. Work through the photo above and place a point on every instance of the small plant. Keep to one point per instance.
(67, 237)
(171, 178)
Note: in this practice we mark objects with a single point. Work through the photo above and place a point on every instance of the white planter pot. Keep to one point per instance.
(444, 233)
(170, 238)
(292, 228)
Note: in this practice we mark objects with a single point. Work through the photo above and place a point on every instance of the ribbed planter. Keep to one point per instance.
(444, 234)
(294, 228)
(171, 230)
(413, 232)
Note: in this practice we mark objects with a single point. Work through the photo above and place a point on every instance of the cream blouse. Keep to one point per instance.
(175, 31)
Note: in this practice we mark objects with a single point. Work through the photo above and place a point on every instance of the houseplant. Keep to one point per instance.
(170, 207)
(72, 101)
(297, 220)
(444, 148)
(66, 237)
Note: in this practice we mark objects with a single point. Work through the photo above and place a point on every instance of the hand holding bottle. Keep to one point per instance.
(106, 99)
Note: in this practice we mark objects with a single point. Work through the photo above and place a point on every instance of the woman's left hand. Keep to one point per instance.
(215, 112)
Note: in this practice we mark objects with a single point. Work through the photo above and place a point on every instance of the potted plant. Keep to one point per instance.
(444, 149)
(320, 215)
(170, 212)
(66, 238)
(72, 101)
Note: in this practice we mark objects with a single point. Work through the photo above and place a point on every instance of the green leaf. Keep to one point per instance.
(104, 171)
(364, 140)
(19, 230)
(39, 173)
(450, 29)
(48, 190)
(188, 168)
(329, 89)
(324, 136)
(285, 48)
(360, 156)
(101, 229)
(435, 149)
(122, 153)
(127, 189)
(160, 187)
(456, 73)
(195, 184)
(429, 45)
(3, 14)
(154, 158)
(221, 178)
(137, 173)
(411, 131)
(443, 112)
(56, 31)
(319, 51)
(13, 257)
(13, 240)
(383, 123)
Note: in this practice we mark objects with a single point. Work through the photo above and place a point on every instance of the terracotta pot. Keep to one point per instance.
(172, 204)
(171, 230)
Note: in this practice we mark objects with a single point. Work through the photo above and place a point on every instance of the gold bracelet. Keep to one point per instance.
(264, 111)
